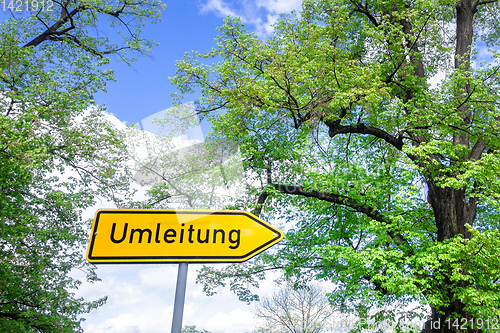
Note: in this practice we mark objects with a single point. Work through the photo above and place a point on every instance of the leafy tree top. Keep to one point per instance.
(388, 179)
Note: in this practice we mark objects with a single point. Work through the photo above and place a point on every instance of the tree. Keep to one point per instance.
(295, 310)
(57, 152)
(386, 175)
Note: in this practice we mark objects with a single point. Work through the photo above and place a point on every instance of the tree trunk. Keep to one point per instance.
(452, 210)
(441, 323)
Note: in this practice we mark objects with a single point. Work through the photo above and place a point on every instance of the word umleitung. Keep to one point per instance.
(172, 235)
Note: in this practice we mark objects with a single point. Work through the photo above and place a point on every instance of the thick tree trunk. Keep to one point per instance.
(452, 210)
(464, 30)
(441, 323)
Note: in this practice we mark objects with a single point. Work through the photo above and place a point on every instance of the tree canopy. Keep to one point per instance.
(372, 129)
(57, 151)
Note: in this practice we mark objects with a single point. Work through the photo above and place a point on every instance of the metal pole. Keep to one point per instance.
(180, 295)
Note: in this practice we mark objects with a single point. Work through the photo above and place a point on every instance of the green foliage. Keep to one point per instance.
(57, 154)
(386, 182)
(193, 329)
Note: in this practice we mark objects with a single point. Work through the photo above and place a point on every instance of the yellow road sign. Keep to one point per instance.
(156, 236)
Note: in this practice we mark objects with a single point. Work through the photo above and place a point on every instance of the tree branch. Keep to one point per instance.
(477, 150)
(50, 32)
(360, 128)
(263, 196)
(349, 202)
(486, 2)
(364, 11)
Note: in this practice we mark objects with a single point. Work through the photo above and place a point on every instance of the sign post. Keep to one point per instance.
(135, 236)
(180, 296)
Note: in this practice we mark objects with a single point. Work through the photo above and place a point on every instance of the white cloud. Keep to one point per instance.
(259, 15)
(219, 7)
(279, 6)
(141, 299)
(237, 320)
(113, 120)
(135, 322)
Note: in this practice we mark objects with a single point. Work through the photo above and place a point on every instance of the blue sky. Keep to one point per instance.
(144, 88)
